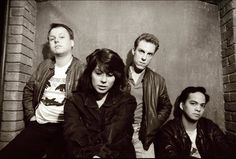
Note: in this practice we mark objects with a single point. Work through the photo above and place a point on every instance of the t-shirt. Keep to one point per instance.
(194, 151)
(51, 106)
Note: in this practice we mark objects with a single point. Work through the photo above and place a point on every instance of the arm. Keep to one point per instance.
(166, 142)
(28, 96)
(164, 104)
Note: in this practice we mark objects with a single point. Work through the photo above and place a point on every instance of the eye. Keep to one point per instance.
(110, 74)
(98, 72)
(203, 105)
(61, 37)
(193, 103)
(150, 54)
(51, 38)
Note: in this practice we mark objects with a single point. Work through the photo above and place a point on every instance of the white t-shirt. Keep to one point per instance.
(194, 151)
(51, 106)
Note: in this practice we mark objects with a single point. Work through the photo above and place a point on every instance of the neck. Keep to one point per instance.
(136, 70)
(63, 60)
(189, 124)
(101, 99)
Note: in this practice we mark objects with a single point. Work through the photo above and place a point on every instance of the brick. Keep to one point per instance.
(18, 67)
(226, 17)
(224, 3)
(225, 79)
(20, 58)
(15, 76)
(228, 116)
(12, 115)
(8, 136)
(229, 69)
(12, 126)
(229, 87)
(233, 96)
(32, 7)
(14, 86)
(225, 61)
(16, 20)
(17, 11)
(224, 44)
(12, 105)
(12, 95)
(228, 51)
(19, 39)
(233, 116)
(3, 144)
(29, 17)
(227, 97)
(14, 48)
(19, 3)
(230, 126)
(232, 59)
(21, 30)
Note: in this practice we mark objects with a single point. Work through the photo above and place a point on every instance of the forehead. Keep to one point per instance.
(58, 30)
(197, 96)
(146, 45)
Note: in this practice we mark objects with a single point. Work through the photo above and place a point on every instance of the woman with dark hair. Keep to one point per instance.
(99, 116)
(189, 134)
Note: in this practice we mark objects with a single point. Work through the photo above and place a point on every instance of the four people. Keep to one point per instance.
(44, 98)
(189, 134)
(99, 117)
(109, 110)
(149, 89)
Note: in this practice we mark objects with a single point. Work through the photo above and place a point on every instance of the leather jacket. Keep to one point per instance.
(173, 140)
(34, 88)
(156, 104)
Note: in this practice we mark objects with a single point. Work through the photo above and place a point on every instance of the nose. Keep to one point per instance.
(198, 108)
(104, 78)
(56, 40)
(144, 57)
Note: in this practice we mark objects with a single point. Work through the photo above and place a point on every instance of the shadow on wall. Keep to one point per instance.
(129, 58)
(46, 51)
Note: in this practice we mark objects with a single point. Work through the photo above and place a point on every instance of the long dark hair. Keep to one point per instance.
(184, 96)
(109, 62)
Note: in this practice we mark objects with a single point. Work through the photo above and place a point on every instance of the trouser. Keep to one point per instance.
(138, 146)
(36, 140)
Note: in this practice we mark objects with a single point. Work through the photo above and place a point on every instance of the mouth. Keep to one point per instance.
(102, 87)
(58, 46)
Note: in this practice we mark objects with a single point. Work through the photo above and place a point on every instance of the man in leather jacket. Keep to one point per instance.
(44, 97)
(189, 134)
(149, 89)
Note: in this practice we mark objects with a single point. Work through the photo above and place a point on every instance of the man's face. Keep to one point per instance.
(194, 106)
(143, 54)
(59, 41)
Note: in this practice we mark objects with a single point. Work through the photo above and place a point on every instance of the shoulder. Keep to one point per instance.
(208, 124)
(152, 74)
(77, 97)
(77, 62)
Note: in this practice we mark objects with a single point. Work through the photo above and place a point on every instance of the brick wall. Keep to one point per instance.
(18, 66)
(227, 9)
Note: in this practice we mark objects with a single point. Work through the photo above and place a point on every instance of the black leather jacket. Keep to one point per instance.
(173, 140)
(34, 88)
(157, 106)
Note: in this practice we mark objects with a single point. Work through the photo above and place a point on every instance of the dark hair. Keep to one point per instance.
(110, 62)
(148, 38)
(184, 96)
(56, 25)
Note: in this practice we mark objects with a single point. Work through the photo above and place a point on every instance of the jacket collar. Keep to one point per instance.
(90, 101)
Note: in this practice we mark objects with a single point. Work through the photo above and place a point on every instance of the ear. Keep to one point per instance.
(181, 105)
(72, 43)
(133, 51)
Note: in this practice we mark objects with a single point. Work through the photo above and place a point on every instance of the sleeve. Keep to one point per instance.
(28, 95)
(166, 143)
(220, 142)
(164, 105)
(83, 143)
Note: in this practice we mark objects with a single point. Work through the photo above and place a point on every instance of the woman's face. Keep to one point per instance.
(102, 82)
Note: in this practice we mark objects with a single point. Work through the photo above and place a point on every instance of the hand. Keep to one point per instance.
(33, 118)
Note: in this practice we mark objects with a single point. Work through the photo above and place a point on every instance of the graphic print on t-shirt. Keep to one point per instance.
(54, 94)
